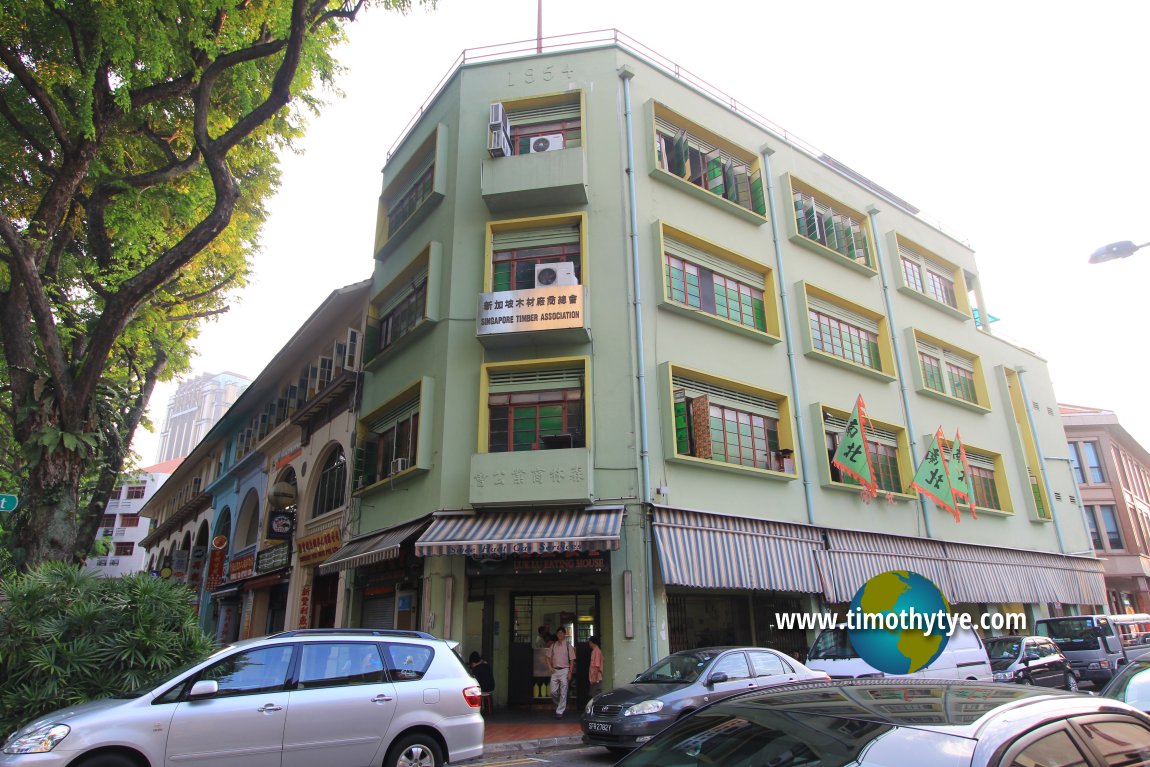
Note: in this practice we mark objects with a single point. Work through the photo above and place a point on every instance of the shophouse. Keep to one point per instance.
(1112, 471)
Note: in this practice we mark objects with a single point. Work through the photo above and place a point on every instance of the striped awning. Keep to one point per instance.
(993, 574)
(533, 531)
(376, 547)
(852, 558)
(714, 551)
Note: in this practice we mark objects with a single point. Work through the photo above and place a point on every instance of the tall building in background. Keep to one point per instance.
(194, 408)
(123, 527)
(1113, 474)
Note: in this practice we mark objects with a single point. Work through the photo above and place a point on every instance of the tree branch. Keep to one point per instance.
(199, 315)
(39, 95)
(45, 152)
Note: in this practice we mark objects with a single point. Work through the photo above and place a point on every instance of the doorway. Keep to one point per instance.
(534, 617)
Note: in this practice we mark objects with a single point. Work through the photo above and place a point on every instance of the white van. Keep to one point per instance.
(964, 657)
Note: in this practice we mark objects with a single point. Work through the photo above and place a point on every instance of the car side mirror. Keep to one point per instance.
(205, 688)
(717, 678)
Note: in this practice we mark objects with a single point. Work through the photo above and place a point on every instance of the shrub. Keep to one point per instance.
(67, 637)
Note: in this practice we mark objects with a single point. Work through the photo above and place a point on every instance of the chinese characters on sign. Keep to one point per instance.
(305, 607)
(575, 475)
(514, 311)
(318, 547)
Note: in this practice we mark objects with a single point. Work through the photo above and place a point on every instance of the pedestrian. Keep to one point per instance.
(481, 670)
(561, 663)
(595, 673)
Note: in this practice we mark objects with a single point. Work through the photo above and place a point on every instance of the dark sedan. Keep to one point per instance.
(679, 684)
(899, 722)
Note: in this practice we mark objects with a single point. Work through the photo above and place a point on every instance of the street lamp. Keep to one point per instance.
(1114, 250)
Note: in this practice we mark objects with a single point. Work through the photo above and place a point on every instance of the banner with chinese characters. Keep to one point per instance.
(516, 311)
(313, 549)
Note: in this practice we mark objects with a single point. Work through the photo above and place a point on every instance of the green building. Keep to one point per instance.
(617, 325)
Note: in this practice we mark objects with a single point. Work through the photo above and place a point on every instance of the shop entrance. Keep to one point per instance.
(535, 617)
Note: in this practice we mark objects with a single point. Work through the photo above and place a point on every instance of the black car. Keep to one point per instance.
(622, 718)
(897, 723)
(1030, 660)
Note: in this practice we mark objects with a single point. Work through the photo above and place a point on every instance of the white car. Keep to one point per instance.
(964, 657)
(353, 698)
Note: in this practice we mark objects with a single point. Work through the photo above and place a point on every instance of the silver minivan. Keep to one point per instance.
(354, 698)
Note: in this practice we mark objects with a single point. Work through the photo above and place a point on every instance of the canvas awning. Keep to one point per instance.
(523, 531)
(376, 547)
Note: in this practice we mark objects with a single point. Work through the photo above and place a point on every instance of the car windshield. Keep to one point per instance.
(1070, 633)
(680, 668)
(145, 684)
(1131, 685)
(833, 644)
(1003, 649)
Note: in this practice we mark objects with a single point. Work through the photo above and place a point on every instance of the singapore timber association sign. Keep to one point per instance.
(517, 311)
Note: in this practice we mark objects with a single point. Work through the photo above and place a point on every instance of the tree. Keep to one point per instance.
(138, 145)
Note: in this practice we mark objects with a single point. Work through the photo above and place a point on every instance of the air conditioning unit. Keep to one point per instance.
(399, 464)
(497, 143)
(548, 143)
(555, 275)
(498, 117)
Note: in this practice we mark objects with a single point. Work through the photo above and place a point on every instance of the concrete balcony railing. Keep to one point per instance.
(541, 179)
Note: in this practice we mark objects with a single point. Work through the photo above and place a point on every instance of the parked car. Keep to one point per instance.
(963, 657)
(903, 722)
(1098, 645)
(296, 699)
(622, 718)
(1131, 685)
(1030, 660)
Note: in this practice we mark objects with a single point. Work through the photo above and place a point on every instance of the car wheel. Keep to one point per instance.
(1071, 681)
(419, 750)
(1027, 680)
(108, 760)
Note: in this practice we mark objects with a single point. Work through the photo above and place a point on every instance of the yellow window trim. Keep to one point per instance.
(905, 462)
(980, 390)
(885, 349)
(401, 282)
(797, 184)
(958, 274)
(1000, 483)
(557, 98)
(695, 129)
(768, 286)
(406, 394)
(524, 365)
(533, 222)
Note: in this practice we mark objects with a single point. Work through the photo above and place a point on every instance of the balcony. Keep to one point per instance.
(517, 317)
(535, 180)
(561, 475)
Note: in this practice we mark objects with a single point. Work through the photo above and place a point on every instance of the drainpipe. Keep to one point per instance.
(792, 363)
(1041, 457)
(903, 389)
(625, 73)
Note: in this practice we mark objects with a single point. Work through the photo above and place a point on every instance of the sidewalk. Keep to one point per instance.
(521, 729)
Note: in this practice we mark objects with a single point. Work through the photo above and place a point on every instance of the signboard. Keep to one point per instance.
(305, 607)
(242, 567)
(273, 558)
(281, 522)
(9, 502)
(314, 549)
(556, 564)
(215, 570)
(516, 311)
(179, 563)
(196, 568)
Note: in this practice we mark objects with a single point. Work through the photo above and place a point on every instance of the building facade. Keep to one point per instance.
(263, 498)
(616, 326)
(197, 404)
(1112, 471)
(123, 528)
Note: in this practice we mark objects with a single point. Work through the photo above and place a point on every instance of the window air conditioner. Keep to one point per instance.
(398, 465)
(547, 143)
(498, 117)
(497, 143)
(555, 275)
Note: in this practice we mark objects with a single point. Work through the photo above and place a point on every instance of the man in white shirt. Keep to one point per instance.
(561, 662)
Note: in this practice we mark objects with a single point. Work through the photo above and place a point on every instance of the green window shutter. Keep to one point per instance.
(366, 460)
(714, 174)
(501, 277)
(682, 425)
(371, 342)
(681, 155)
(755, 191)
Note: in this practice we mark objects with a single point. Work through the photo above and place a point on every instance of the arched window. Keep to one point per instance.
(248, 531)
(331, 491)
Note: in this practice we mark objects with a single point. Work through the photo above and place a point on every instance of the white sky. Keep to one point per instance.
(1020, 125)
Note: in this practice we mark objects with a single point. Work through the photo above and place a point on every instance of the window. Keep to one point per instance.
(124, 549)
(928, 276)
(135, 492)
(337, 665)
(129, 520)
(413, 195)
(1120, 743)
(397, 440)
(330, 492)
(831, 226)
(515, 253)
(256, 671)
(116, 494)
(555, 120)
(984, 480)
(1087, 453)
(407, 662)
(882, 446)
(723, 424)
(699, 280)
(843, 333)
(946, 370)
(402, 315)
(768, 664)
(1055, 750)
(707, 161)
(108, 520)
(734, 666)
(1110, 525)
(537, 409)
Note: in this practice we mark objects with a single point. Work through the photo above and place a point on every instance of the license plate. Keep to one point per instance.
(598, 727)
